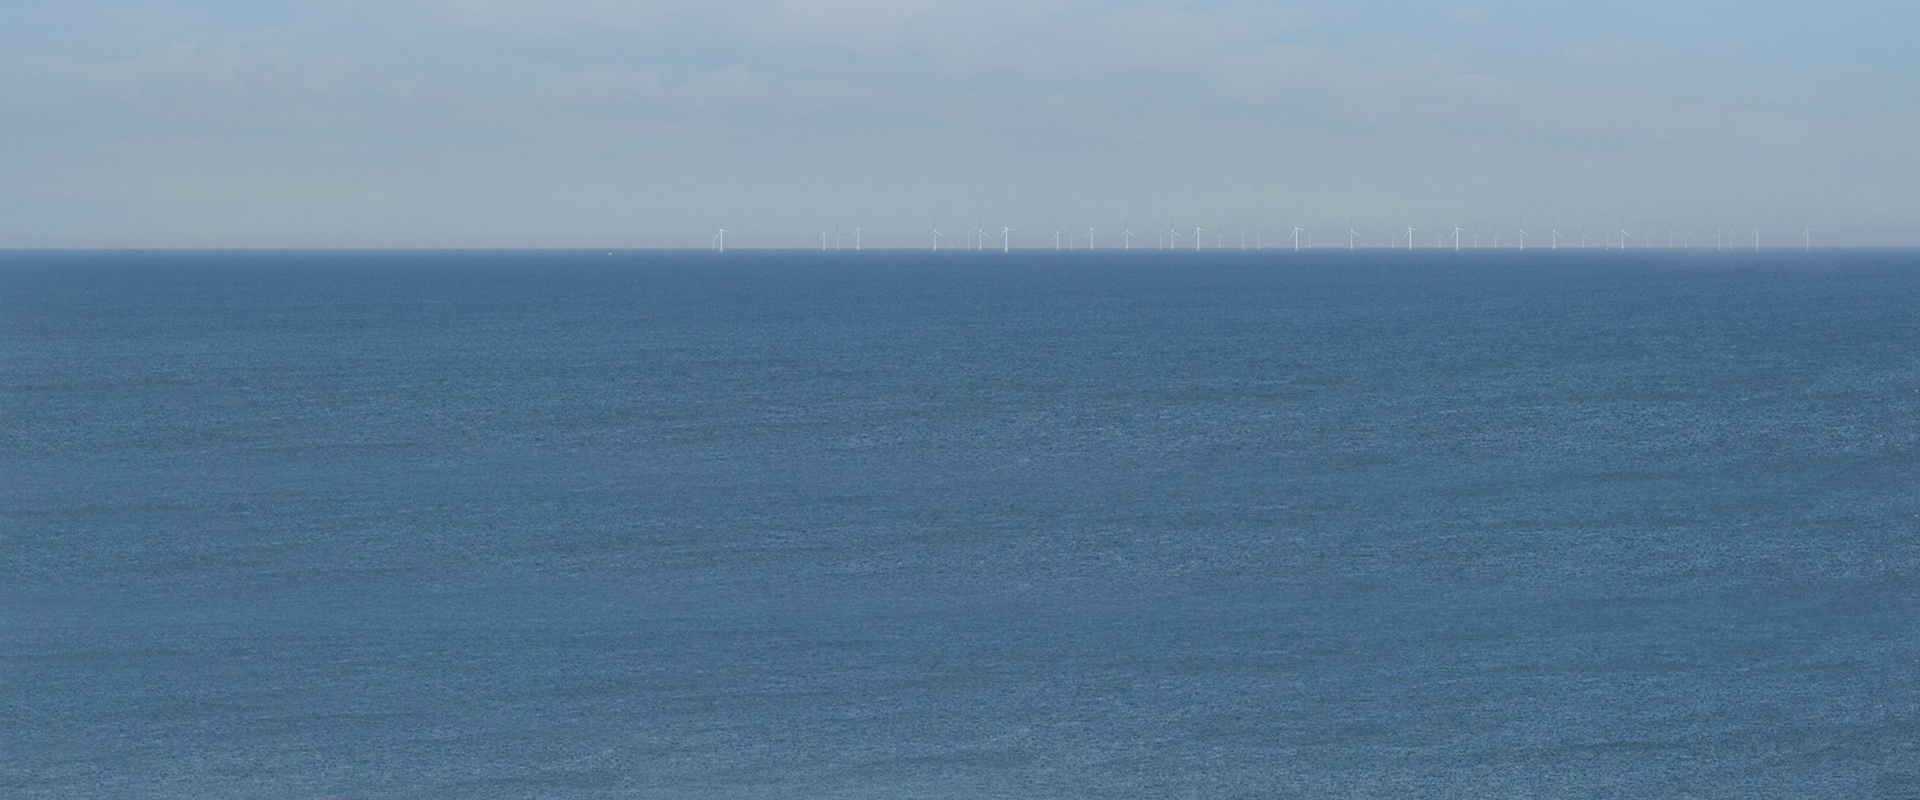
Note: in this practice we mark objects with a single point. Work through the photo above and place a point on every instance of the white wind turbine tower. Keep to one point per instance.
(1624, 236)
(856, 240)
(1410, 231)
(1219, 240)
(1686, 240)
(1006, 239)
(1523, 240)
(1089, 238)
(823, 241)
(1756, 240)
(1126, 241)
(1456, 238)
(1555, 238)
(1056, 240)
(1196, 238)
(1243, 240)
(836, 241)
(1171, 235)
(1072, 240)
(1351, 235)
(936, 239)
(1809, 240)
(723, 239)
(1296, 238)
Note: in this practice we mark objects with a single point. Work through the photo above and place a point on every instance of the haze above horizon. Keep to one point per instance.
(608, 124)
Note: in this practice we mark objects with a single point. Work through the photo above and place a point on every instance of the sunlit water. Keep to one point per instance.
(565, 525)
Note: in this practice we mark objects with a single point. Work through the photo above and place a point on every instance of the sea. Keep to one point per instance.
(888, 524)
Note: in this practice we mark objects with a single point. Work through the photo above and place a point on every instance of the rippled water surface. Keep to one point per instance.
(569, 525)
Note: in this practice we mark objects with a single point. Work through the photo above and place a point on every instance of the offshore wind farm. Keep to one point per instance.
(1383, 238)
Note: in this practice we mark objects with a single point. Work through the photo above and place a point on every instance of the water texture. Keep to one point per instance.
(890, 525)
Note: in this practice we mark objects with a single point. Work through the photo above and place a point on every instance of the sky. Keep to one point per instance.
(650, 123)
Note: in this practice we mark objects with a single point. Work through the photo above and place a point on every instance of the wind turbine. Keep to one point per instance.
(1624, 236)
(1056, 240)
(723, 239)
(1756, 240)
(1243, 240)
(1476, 241)
(1071, 239)
(1296, 238)
(1686, 240)
(1809, 240)
(823, 241)
(1351, 235)
(1127, 240)
(1523, 240)
(1170, 237)
(1196, 238)
(1089, 238)
(836, 241)
(936, 239)
(1410, 239)
(856, 240)
(1556, 239)
(1006, 239)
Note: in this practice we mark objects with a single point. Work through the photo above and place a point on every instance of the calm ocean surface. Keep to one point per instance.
(803, 525)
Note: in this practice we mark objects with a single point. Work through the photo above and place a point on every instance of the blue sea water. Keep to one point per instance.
(891, 525)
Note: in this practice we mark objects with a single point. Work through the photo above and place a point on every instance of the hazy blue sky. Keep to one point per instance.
(603, 123)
